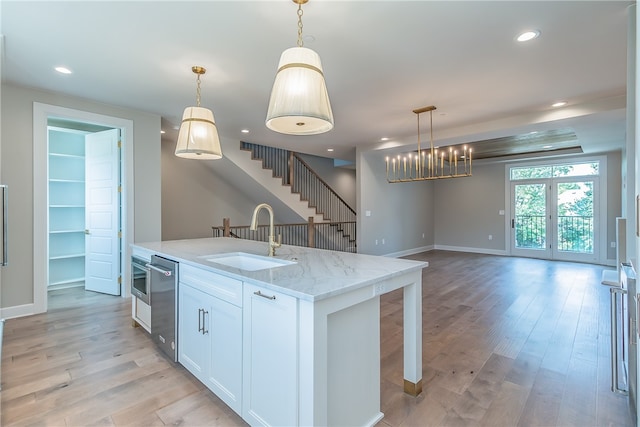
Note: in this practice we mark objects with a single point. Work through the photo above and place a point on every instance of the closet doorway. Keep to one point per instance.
(84, 178)
(83, 201)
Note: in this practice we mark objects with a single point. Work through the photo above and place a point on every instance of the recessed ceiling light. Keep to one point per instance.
(162, 132)
(384, 138)
(63, 70)
(330, 150)
(546, 147)
(559, 104)
(245, 131)
(528, 35)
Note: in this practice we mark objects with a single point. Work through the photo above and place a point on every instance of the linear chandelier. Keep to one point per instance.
(429, 164)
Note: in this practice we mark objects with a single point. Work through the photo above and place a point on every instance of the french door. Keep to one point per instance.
(555, 218)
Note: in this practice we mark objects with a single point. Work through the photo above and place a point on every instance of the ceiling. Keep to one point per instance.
(381, 60)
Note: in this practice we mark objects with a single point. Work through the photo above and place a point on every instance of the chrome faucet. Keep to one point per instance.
(254, 225)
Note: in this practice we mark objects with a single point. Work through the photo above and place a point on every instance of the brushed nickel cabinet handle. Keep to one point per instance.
(260, 294)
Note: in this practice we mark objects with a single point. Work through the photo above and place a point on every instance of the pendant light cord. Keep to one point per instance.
(300, 12)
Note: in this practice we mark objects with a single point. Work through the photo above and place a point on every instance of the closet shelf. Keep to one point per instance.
(78, 255)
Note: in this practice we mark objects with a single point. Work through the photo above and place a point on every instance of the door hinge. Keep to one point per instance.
(119, 234)
(119, 188)
(119, 280)
(119, 143)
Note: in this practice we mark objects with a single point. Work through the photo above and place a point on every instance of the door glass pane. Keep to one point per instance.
(530, 216)
(575, 216)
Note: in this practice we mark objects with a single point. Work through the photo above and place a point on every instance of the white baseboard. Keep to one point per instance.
(472, 250)
(410, 252)
(17, 311)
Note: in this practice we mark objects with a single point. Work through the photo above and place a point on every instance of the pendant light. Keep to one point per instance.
(299, 103)
(198, 135)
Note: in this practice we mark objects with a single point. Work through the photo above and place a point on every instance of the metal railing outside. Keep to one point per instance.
(575, 233)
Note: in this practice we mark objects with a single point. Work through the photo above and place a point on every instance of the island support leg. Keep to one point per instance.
(413, 337)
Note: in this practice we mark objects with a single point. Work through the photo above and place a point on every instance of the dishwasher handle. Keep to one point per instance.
(167, 273)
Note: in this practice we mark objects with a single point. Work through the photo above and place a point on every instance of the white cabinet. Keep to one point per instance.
(140, 310)
(270, 364)
(210, 331)
(193, 342)
(66, 207)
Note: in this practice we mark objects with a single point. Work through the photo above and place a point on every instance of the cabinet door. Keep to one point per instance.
(270, 358)
(225, 367)
(193, 342)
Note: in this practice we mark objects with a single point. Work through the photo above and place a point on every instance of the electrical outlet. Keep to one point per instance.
(613, 244)
(376, 242)
(383, 240)
(423, 235)
(490, 236)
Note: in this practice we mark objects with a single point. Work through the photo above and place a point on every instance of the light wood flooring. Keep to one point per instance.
(506, 342)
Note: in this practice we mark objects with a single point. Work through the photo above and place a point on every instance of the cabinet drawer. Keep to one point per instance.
(225, 288)
(141, 313)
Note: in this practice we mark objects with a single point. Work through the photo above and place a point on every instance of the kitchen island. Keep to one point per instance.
(309, 350)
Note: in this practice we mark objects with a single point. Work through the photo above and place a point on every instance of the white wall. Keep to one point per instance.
(17, 172)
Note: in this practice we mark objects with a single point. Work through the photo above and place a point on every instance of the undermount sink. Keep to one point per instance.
(247, 262)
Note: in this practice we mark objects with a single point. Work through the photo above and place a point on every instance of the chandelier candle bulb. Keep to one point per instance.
(465, 158)
(455, 161)
(387, 163)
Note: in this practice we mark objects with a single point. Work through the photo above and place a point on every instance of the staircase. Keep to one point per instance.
(337, 217)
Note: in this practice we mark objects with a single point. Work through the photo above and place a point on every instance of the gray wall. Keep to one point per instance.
(456, 214)
(466, 210)
(400, 213)
(17, 172)
(195, 197)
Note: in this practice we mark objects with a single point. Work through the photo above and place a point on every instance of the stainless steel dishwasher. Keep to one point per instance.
(163, 280)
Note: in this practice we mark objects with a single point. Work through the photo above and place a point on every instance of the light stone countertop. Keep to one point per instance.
(317, 274)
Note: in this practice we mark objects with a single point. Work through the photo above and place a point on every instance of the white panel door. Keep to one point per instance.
(102, 245)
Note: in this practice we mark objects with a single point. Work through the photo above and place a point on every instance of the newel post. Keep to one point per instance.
(311, 233)
(226, 225)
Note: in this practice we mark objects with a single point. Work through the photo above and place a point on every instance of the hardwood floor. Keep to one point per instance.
(506, 342)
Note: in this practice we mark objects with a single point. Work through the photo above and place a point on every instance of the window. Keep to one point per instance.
(555, 171)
